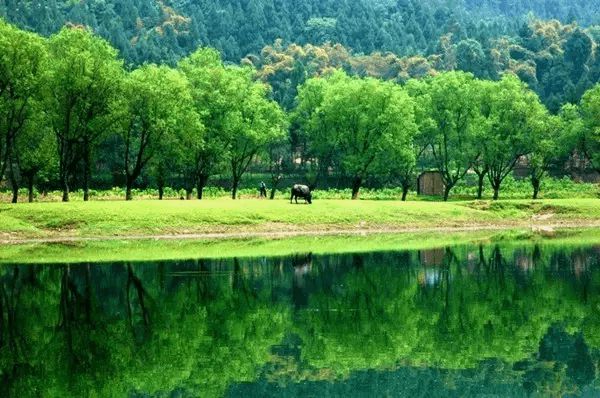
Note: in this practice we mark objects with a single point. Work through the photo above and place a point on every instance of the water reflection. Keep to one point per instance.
(503, 320)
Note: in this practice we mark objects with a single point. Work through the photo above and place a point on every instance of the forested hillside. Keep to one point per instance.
(322, 94)
(164, 30)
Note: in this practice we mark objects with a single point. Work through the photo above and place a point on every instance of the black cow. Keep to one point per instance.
(301, 191)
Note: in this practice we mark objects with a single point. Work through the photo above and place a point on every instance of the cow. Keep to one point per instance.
(301, 191)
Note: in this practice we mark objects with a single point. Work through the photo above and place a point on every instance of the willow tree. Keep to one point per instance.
(513, 116)
(251, 123)
(553, 144)
(35, 153)
(22, 59)
(83, 82)
(370, 122)
(211, 92)
(157, 105)
(453, 114)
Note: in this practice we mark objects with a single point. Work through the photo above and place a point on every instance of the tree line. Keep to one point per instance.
(69, 106)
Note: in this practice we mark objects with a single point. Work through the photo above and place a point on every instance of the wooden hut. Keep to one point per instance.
(430, 183)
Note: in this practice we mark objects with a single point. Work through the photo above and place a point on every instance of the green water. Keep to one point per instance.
(508, 320)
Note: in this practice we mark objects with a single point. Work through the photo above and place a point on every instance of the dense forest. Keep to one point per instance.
(387, 38)
(164, 30)
(367, 97)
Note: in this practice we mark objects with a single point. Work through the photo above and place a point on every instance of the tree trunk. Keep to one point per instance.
(535, 183)
(481, 179)
(30, 178)
(14, 183)
(15, 193)
(405, 189)
(447, 190)
(496, 193)
(86, 174)
(161, 191)
(188, 193)
(128, 195)
(65, 188)
(275, 183)
(496, 182)
(234, 188)
(356, 187)
(200, 184)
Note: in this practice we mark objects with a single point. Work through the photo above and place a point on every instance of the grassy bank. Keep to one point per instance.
(151, 218)
(157, 250)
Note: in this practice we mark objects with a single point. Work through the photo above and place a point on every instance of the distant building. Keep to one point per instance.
(430, 183)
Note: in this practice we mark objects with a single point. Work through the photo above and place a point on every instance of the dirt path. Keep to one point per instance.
(548, 228)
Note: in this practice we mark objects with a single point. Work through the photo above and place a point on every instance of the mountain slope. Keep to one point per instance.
(164, 30)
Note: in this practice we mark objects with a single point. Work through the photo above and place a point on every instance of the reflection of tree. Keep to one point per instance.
(471, 314)
(564, 365)
(208, 324)
(140, 293)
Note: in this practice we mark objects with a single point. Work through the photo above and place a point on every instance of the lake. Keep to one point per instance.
(510, 319)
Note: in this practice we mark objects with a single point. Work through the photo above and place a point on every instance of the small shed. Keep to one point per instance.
(430, 183)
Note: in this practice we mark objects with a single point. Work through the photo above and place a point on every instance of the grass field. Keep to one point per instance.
(158, 250)
(224, 216)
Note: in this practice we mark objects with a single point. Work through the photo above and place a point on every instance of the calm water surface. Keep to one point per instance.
(462, 321)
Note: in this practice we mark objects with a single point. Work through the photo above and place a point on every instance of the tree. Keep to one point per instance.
(454, 106)
(511, 119)
(547, 146)
(407, 173)
(317, 143)
(22, 61)
(213, 97)
(35, 152)
(372, 123)
(157, 104)
(590, 133)
(470, 57)
(252, 122)
(83, 81)
(278, 153)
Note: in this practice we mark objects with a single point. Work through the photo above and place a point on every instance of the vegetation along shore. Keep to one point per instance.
(111, 219)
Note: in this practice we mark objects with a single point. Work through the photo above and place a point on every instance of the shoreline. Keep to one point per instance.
(544, 228)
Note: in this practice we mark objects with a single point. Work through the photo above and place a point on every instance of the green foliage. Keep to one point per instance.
(23, 58)
(590, 135)
(362, 126)
(157, 106)
(82, 85)
(160, 126)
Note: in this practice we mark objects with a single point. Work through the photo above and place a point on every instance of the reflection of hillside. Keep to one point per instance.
(508, 319)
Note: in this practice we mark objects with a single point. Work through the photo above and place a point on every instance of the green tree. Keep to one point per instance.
(590, 133)
(546, 148)
(454, 109)
(213, 93)
(157, 103)
(22, 61)
(371, 122)
(252, 122)
(470, 57)
(512, 117)
(35, 152)
(84, 77)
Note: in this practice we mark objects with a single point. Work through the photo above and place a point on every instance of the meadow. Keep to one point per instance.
(171, 218)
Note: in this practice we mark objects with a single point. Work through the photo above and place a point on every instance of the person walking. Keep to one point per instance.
(263, 189)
